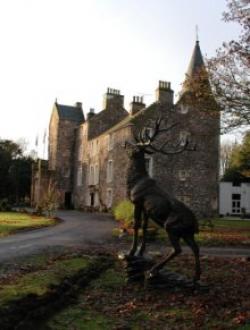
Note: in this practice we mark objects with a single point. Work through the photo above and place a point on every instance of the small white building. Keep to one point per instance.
(234, 197)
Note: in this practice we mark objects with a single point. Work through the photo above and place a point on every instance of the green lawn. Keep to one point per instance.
(11, 222)
(40, 281)
(228, 223)
(105, 301)
(108, 303)
(224, 232)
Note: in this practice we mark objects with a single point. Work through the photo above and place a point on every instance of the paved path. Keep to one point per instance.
(84, 229)
(76, 228)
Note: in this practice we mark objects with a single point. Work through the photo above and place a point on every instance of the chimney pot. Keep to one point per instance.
(164, 93)
(113, 99)
(136, 105)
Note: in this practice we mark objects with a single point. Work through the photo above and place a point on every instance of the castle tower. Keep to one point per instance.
(198, 171)
(63, 123)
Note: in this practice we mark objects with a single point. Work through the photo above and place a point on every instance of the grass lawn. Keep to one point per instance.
(107, 302)
(223, 233)
(11, 222)
(40, 281)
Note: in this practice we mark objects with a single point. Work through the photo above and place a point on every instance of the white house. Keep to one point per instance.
(234, 197)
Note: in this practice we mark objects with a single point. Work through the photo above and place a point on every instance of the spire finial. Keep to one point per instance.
(197, 33)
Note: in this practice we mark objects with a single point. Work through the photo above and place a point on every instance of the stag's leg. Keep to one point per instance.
(194, 247)
(144, 234)
(175, 241)
(137, 224)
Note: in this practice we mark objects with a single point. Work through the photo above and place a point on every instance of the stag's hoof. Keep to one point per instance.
(151, 274)
(126, 256)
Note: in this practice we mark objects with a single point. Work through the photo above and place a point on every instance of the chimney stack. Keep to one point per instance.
(113, 99)
(78, 105)
(91, 113)
(136, 105)
(164, 93)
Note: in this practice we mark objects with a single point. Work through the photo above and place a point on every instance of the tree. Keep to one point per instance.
(226, 151)
(15, 172)
(239, 161)
(227, 75)
(229, 70)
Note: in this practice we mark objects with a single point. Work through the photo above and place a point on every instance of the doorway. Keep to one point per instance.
(68, 200)
(236, 203)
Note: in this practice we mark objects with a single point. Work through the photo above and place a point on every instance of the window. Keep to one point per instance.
(91, 175)
(110, 141)
(149, 165)
(186, 199)
(109, 198)
(184, 135)
(79, 176)
(80, 152)
(66, 172)
(147, 132)
(96, 146)
(91, 147)
(96, 174)
(110, 171)
(183, 175)
(236, 203)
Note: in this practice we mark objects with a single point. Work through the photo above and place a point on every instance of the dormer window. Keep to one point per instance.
(183, 109)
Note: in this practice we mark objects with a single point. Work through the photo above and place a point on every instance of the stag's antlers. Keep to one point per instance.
(144, 140)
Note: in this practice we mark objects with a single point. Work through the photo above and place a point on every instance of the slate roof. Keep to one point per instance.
(68, 112)
(196, 60)
(195, 65)
(128, 120)
(105, 120)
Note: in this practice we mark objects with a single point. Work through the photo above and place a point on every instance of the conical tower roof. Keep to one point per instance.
(195, 66)
(196, 62)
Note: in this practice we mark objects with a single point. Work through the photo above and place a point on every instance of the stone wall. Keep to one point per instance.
(191, 176)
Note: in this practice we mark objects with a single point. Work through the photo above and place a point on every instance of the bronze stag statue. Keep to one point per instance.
(150, 201)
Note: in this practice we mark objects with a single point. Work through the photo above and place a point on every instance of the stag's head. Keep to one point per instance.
(147, 142)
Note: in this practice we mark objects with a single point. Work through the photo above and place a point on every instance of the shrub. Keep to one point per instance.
(49, 201)
(4, 205)
(124, 212)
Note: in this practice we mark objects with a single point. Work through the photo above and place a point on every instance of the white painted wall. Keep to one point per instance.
(227, 190)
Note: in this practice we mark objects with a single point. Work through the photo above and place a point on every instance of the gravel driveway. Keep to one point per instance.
(77, 228)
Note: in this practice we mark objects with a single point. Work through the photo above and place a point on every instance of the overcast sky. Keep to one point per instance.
(73, 50)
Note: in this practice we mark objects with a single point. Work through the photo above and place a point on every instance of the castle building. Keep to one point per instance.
(88, 163)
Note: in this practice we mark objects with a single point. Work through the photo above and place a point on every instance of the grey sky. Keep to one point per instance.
(75, 49)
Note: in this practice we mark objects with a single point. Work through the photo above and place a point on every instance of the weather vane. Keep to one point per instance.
(197, 32)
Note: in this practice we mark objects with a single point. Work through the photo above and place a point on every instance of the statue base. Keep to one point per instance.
(135, 267)
(173, 281)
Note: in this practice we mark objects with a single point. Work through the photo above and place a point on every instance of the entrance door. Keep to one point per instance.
(236, 203)
(92, 199)
(67, 200)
